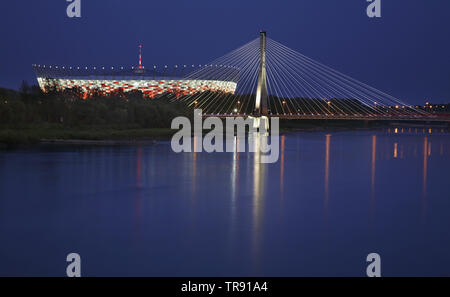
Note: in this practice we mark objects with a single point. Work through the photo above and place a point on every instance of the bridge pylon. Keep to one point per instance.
(261, 104)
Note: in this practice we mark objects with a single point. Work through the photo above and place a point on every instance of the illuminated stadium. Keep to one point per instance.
(179, 80)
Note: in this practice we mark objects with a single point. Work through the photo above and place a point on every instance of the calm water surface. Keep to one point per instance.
(331, 199)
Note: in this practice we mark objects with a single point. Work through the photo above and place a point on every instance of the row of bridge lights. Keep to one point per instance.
(165, 66)
(328, 102)
(430, 106)
(332, 114)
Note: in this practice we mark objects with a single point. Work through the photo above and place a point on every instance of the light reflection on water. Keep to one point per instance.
(327, 170)
(373, 176)
(330, 200)
(426, 155)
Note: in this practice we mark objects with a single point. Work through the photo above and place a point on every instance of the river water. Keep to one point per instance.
(330, 200)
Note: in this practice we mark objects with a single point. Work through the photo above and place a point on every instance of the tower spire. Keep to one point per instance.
(140, 56)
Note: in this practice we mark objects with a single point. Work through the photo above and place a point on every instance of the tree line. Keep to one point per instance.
(30, 106)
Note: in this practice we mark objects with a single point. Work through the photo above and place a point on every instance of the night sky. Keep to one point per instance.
(405, 53)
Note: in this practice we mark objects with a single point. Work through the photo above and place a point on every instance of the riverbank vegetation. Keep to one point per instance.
(28, 115)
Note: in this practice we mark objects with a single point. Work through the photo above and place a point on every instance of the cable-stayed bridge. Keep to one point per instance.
(274, 80)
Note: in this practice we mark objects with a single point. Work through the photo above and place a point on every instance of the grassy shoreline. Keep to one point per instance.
(48, 134)
(58, 134)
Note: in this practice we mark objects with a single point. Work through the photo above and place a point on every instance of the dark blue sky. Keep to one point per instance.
(405, 53)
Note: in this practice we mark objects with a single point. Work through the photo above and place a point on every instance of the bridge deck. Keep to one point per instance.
(346, 117)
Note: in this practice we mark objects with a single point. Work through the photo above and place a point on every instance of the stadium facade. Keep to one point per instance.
(180, 81)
